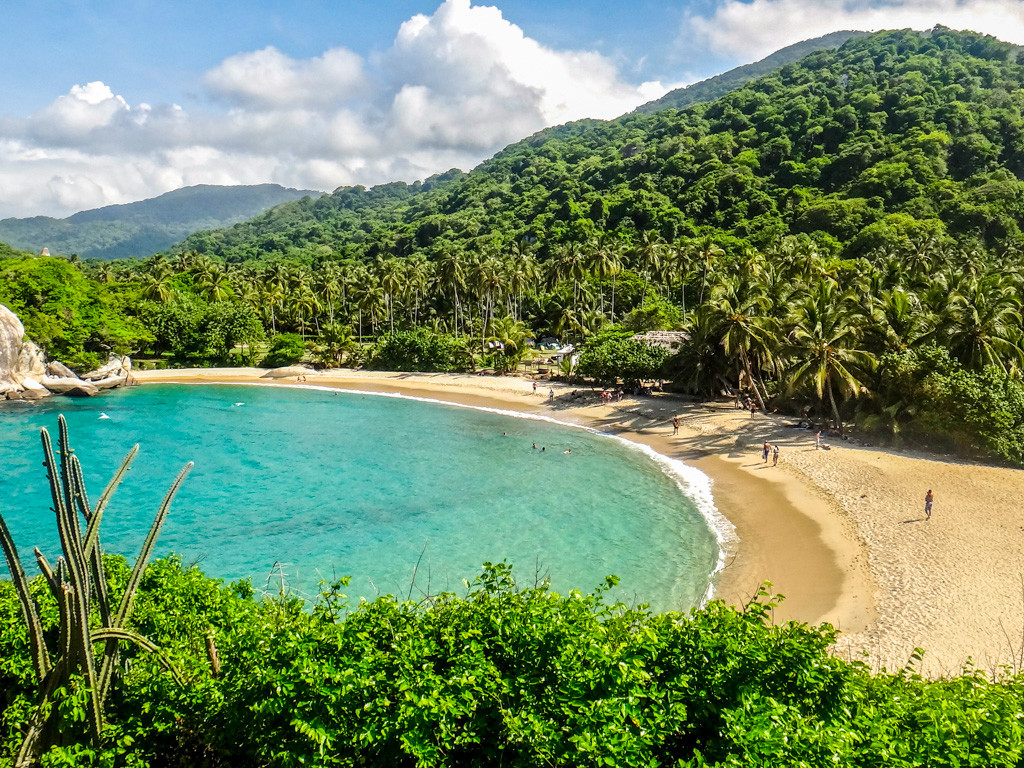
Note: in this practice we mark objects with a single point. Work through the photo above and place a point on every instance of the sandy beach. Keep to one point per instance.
(840, 532)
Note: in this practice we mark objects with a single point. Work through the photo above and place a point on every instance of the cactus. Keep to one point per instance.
(78, 584)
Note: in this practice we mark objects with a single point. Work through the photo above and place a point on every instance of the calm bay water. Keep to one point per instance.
(326, 484)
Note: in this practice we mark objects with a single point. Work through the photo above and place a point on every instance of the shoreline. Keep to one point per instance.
(800, 525)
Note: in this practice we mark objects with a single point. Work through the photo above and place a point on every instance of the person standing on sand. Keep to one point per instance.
(928, 501)
(775, 455)
(817, 441)
(765, 450)
(535, 387)
(753, 408)
(551, 394)
(675, 425)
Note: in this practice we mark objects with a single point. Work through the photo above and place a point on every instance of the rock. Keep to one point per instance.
(12, 334)
(116, 366)
(108, 383)
(62, 385)
(28, 383)
(53, 368)
(31, 361)
(287, 372)
(30, 394)
(85, 390)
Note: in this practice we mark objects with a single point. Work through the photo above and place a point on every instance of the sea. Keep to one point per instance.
(294, 487)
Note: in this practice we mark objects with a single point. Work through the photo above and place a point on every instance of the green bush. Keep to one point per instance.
(503, 675)
(421, 350)
(285, 349)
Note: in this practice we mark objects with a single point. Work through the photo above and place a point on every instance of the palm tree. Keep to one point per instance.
(510, 337)
(648, 257)
(605, 262)
(451, 276)
(982, 324)
(824, 346)
(707, 251)
(737, 312)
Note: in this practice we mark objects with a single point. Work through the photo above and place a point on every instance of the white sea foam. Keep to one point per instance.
(693, 483)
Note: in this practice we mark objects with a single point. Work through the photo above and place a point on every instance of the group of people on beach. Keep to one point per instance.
(768, 448)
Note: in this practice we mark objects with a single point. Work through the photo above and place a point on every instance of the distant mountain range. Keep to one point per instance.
(719, 85)
(148, 226)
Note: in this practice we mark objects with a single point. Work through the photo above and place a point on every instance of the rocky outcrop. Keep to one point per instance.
(25, 373)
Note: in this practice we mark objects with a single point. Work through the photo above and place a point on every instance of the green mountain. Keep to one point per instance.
(147, 226)
(891, 138)
(719, 85)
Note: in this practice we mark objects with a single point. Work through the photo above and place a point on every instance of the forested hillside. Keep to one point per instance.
(719, 85)
(148, 226)
(892, 137)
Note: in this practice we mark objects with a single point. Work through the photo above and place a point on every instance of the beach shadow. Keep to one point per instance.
(914, 520)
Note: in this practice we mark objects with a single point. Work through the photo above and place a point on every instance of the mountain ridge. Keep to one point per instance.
(144, 227)
(718, 85)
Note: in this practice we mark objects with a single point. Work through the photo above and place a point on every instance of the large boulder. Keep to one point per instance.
(116, 367)
(12, 336)
(26, 375)
(62, 385)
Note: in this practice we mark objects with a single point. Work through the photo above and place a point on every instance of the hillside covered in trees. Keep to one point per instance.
(892, 137)
(840, 240)
(147, 226)
(719, 85)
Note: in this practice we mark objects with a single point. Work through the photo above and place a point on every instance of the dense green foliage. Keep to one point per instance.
(420, 350)
(719, 85)
(895, 135)
(504, 675)
(74, 319)
(612, 355)
(936, 400)
(148, 226)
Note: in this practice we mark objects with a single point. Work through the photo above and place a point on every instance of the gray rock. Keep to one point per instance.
(108, 383)
(53, 368)
(287, 372)
(85, 390)
(60, 385)
(12, 334)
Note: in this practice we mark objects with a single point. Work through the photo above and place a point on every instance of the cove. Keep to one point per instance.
(310, 485)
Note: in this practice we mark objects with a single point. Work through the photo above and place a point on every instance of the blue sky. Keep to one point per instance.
(108, 102)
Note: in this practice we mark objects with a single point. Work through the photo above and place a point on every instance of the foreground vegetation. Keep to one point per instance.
(502, 675)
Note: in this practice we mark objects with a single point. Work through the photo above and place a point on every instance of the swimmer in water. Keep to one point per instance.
(568, 451)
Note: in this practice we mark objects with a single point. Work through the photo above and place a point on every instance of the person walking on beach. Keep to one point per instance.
(675, 425)
(817, 441)
(765, 449)
(775, 455)
(929, 499)
(753, 408)
(535, 387)
(551, 394)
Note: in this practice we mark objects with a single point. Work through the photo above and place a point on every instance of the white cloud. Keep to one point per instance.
(755, 29)
(453, 88)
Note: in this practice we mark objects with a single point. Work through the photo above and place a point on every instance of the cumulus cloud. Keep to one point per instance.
(453, 88)
(755, 29)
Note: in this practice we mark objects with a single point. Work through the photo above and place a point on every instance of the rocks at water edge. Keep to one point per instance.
(25, 373)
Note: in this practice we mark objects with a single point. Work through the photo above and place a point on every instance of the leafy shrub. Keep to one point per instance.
(506, 675)
(421, 350)
(285, 349)
(615, 355)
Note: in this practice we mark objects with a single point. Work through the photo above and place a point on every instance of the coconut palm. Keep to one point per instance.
(982, 324)
(824, 346)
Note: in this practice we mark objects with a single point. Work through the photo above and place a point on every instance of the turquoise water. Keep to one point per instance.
(325, 485)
